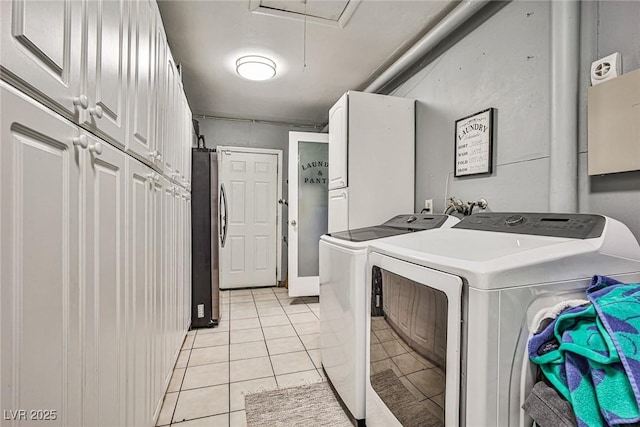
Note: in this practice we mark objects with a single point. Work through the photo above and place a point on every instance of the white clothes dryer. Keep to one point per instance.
(343, 301)
(451, 311)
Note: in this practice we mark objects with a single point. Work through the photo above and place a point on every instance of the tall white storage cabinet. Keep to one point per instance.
(371, 159)
(95, 267)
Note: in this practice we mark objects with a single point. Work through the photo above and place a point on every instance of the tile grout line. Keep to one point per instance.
(275, 379)
(180, 389)
(304, 346)
(229, 361)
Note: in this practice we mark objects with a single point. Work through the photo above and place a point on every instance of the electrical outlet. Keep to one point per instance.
(428, 205)
(200, 311)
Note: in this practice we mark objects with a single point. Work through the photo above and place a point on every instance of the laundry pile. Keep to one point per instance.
(589, 351)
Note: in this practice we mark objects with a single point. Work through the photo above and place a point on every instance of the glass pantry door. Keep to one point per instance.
(308, 209)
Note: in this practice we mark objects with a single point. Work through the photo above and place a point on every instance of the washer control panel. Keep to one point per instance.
(575, 226)
(416, 222)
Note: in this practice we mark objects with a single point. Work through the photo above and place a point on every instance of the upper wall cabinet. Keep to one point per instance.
(161, 106)
(338, 134)
(105, 65)
(142, 66)
(105, 60)
(41, 51)
(171, 112)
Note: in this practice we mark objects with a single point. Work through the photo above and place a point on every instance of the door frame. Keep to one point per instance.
(299, 286)
(278, 153)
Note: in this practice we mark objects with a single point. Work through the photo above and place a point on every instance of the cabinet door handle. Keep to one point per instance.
(293, 223)
(81, 101)
(81, 141)
(96, 148)
(96, 111)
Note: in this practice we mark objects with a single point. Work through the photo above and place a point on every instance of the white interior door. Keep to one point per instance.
(308, 208)
(248, 197)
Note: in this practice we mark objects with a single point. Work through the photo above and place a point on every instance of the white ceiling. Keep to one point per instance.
(206, 37)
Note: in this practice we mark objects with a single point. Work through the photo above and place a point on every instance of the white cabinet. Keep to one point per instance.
(155, 298)
(170, 114)
(40, 265)
(95, 214)
(106, 59)
(139, 224)
(162, 141)
(186, 224)
(338, 133)
(141, 90)
(102, 285)
(169, 267)
(339, 208)
(372, 154)
(41, 48)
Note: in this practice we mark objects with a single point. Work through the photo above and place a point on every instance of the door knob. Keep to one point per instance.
(81, 141)
(96, 148)
(96, 111)
(81, 101)
(293, 222)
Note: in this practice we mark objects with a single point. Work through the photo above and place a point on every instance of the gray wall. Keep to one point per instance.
(505, 63)
(238, 133)
(608, 27)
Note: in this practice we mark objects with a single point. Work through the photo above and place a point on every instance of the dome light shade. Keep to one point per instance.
(254, 67)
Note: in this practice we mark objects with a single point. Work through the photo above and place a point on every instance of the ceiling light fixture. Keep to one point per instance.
(254, 67)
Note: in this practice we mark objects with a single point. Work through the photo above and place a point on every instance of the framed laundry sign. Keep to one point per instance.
(474, 144)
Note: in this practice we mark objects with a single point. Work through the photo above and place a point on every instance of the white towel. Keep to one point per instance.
(542, 318)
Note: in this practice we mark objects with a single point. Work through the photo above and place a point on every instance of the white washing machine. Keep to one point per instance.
(451, 311)
(343, 301)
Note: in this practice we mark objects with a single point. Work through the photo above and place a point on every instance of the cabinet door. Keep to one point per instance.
(170, 113)
(186, 146)
(103, 285)
(187, 261)
(139, 228)
(338, 140)
(156, 313)
(338, 209)
(40, 50)
(168, 219)
(141, 93)
(161, 139)
(106, 68)
(177, 274)
(40, 259)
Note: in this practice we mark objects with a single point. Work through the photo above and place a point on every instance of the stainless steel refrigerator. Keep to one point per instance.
(205, 288)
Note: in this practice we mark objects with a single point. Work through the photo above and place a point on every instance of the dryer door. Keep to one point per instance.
(414, 344)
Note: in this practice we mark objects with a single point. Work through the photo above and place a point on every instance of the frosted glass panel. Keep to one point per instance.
(313, 169)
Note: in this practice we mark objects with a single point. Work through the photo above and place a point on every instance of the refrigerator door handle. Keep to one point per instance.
(223, 217)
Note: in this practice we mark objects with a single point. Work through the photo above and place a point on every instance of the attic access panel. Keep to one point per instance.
(335, 13)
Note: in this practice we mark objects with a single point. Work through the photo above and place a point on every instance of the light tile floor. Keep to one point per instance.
(265, 340)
